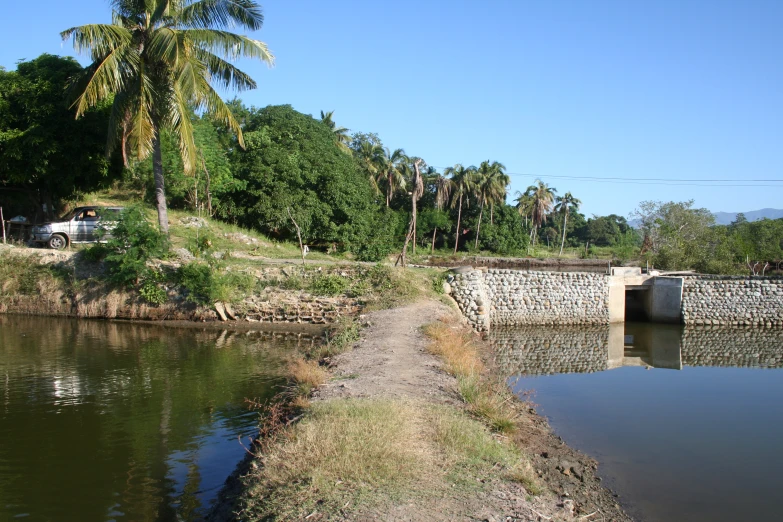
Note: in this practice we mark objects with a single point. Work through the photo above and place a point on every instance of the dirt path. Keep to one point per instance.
(391, 360)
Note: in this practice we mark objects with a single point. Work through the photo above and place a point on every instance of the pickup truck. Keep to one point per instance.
(81, 225)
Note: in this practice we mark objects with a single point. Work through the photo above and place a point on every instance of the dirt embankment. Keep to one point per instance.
(392, 362)
(62, 283)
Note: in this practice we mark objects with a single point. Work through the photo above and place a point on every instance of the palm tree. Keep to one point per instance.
(497, 188)
(417, 190)
(442, 186)
(371, 158)
(157, 60)
(490, 184)
(462, 180)
(392, 167)
(524, 205)
(542, 198)
(340, 133)
(563, 204)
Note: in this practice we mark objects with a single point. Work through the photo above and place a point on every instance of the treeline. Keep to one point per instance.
(345, 191)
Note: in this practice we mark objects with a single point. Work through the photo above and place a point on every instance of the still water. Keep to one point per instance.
(110, 421)
(687, 424)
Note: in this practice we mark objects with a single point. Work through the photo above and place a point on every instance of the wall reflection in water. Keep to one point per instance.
(545, 350)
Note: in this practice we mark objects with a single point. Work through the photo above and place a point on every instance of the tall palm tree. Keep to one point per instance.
(524, 205)
(542, 197)
(442, 187)
(371, 158)
(497, 187)
(490, 184)
(392, 169)
(158, 60)
(563, 204)
(462, 180)
(340, 133)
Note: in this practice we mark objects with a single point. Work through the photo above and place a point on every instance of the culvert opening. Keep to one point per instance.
(636, 305)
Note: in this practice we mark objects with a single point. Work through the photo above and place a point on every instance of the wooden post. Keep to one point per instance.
(2, 220)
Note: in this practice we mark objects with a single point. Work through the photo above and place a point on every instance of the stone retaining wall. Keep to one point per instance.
(737, 301)
(511, 297)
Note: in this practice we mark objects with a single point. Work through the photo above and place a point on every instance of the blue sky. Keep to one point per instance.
(674, 90)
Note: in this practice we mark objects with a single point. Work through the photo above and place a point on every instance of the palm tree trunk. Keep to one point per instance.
(388, 190)
(478, 228)
(459, 217)
(160, 185)
(491, 213)
(565, 221)
(414, 221)
(432, 248)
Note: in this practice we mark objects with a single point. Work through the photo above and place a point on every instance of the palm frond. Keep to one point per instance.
(225, 73)
(99, 39)
(229, 45)
(104, 78)
(223, 13)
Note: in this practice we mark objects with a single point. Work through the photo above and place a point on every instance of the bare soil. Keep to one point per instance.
(391, 360)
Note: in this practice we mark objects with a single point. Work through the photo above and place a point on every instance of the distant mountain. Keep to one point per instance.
(725, 218)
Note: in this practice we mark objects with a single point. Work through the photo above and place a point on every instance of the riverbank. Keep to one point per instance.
(392, 435)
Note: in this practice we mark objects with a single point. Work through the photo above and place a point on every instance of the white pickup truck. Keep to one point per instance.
(81, 225)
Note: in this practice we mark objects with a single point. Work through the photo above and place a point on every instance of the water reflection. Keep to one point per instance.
(701, 443)
(111, 421)
(546, 350)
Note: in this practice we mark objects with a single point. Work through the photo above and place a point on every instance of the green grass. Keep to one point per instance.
(366, 452)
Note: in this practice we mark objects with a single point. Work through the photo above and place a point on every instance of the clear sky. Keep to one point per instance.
(666, 89)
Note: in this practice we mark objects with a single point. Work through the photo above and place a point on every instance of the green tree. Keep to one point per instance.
(45, 154)
(541, 197)
(676, 234)
(490, 185)
(462, 183)
(391, 166)
(292, 161)
(340, 133)
(158, 59)
(564, 205)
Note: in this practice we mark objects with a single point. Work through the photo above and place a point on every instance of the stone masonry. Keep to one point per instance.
(732, 301)
(512, 297)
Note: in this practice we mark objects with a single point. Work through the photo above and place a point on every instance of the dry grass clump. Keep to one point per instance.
(455, 345)
(343, 452)
(486, 398)
(305, 376)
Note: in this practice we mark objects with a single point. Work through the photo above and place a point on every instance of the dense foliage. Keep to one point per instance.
(292, 170)
(343, 193)
(46, 155)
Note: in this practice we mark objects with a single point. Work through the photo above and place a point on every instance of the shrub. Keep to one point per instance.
(134, 242)
(329, 285)
(206, 283)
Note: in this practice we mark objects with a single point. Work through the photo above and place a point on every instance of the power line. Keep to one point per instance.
(658, 181)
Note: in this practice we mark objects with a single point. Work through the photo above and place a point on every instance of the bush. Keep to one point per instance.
(134, 242)
(206, 284)
(329, 285)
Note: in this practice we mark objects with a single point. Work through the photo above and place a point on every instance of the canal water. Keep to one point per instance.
(687, 424)
(111, 421)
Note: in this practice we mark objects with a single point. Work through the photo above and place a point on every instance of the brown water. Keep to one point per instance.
(109, 421)
(687, 424)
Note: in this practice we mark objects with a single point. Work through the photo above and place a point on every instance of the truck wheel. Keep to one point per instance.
(57, 242)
